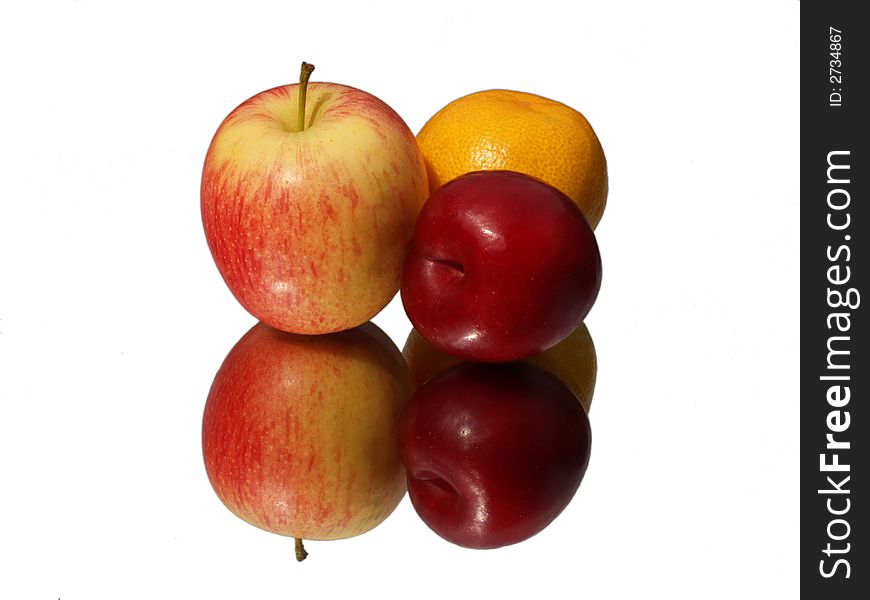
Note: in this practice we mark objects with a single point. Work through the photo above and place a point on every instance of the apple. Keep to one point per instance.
(573, 361)
(299, 432)
(309, 197)
(501, 266)
(493, 453)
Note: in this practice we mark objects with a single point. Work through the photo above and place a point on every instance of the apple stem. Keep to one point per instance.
(304, 75)
(301, 552)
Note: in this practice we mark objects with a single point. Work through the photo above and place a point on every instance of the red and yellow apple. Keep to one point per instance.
(308, 218)
(573, 361)
(299, 432)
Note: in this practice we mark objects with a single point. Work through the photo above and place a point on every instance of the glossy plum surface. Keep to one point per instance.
(493, 453)
(501, 266)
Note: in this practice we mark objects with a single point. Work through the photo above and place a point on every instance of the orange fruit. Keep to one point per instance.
(573, 360)
(517, 131)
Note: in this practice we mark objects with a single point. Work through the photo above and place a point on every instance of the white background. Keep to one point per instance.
(113, 318)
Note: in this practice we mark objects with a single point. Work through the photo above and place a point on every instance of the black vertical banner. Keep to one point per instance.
(835, 370)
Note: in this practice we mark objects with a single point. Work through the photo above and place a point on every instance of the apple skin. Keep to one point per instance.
(501, 267)
(299, 432)
(493, 453)
(573, 360)
(308, 229)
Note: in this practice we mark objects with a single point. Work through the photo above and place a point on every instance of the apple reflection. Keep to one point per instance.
(299, 432)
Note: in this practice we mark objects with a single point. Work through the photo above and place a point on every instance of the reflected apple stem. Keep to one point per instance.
(301, 552)
(304, 75)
